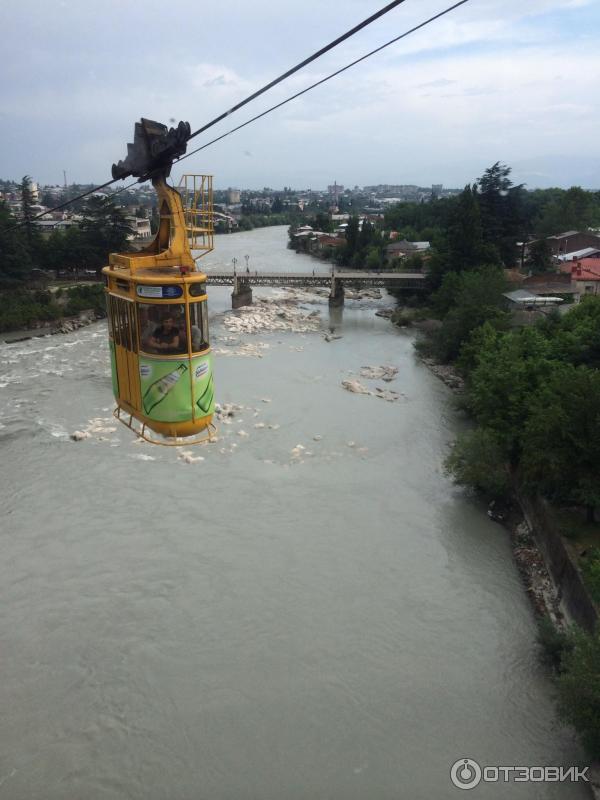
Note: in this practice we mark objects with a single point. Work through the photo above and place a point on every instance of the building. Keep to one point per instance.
(48, 226)
(585, 277)
(234, 196)
(335, 191)
(403, 248)
(140, 228)
(521, 298)
(576, 255)
(326, 242)
(571, 241)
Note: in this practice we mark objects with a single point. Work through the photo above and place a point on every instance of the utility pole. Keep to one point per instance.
(65, 177)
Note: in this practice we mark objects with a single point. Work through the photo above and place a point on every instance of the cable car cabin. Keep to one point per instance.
(158, 328)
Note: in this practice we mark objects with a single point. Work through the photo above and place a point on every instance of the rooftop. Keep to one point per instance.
(577, 254)
(587, 269)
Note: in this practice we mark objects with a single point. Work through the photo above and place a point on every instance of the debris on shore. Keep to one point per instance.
(539, 585)
(446, 373)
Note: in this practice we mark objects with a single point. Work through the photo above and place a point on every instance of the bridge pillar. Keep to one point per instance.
(242, 293)
(336, 293)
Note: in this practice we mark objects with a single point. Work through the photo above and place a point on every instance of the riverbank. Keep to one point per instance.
(542, 569)
(64, 325)
(550, 572)
(24, 309)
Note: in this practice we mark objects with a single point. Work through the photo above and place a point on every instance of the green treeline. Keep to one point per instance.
(533, 392)
(249, 221)
(102, 229)
(24, 308)
(82, 247)
(535, 396)
(481, 225)
(496, 214)
(364, 246)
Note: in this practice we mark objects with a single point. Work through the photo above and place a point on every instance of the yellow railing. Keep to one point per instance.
(197, 196)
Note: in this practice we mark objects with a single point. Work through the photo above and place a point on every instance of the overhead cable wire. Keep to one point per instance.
(270, 85)
(75, 199)
(324, 80)
(382, 11)
(299, 66)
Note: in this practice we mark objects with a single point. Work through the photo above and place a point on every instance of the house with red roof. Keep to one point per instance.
(585, 277)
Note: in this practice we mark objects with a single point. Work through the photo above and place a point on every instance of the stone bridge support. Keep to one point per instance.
(242, 293)
(336, 292)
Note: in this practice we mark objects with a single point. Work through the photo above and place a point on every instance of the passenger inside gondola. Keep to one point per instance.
(166, 337)
(162, 329)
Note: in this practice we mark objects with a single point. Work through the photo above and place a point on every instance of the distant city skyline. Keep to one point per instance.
(498, 80)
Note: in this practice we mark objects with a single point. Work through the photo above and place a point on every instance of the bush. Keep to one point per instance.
(80, 298)
(579, 690)
(478, 460)
(23, 308)
(554, 644)
(591, 572)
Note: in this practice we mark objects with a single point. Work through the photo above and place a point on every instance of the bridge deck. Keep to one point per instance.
(390, 279)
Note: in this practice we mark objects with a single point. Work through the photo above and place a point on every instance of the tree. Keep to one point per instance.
(53, 253)
(539, 258)
(15, 257)
(477, 299)
(465, 233)
(509, 370)
(463, 247)
(352, 234)
(579, 690)
(501, 213)
(105, 230)
(561, 438)
(276, 206)
(478, 460)
(322, 222)
(577, 338)
(374, 259)
(445, 297)
(574, 209)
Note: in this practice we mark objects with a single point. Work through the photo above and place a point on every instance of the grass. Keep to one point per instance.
(583, 540)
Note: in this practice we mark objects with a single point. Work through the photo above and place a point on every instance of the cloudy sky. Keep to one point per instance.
(509, 80)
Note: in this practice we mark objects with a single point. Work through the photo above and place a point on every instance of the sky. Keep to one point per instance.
(514, 81)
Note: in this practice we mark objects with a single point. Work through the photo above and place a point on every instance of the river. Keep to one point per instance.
(335, 622)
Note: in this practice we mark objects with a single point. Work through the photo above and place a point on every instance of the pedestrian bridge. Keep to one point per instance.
(335, 281)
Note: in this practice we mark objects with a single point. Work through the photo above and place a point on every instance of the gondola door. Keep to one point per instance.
(124, 336)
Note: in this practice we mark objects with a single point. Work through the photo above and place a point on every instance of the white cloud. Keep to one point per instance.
(498, 79)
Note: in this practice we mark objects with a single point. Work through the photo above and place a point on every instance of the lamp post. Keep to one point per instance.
(234, 262)
(247, 267)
